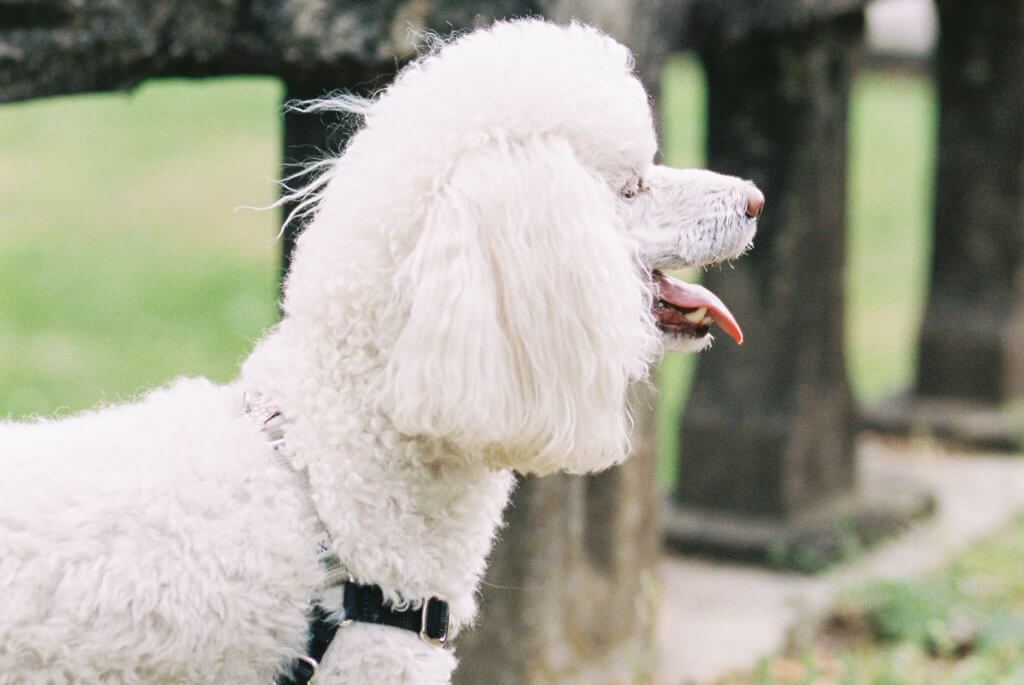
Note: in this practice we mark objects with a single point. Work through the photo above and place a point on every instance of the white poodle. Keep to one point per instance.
(476, 288)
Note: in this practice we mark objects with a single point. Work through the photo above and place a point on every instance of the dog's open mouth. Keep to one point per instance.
(688, 309)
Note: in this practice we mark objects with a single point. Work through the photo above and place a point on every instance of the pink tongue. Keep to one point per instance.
(693, 296)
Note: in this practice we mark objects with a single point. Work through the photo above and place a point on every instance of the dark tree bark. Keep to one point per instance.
(50, 47)
(970, 379)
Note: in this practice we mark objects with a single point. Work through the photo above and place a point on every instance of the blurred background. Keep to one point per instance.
(131, 252)
(825, 508)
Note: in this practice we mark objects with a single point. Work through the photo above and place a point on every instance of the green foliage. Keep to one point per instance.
(893, 120)
(961, 624)
(684, 92)
(813, 553)
(901, 611)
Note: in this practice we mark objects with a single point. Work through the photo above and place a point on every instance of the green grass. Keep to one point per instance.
(683, 94)
(121, 314)
(963, 624)
(124, 263)
(893, 122)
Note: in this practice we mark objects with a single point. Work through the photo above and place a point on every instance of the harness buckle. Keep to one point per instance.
(313, 664)
(434, 621)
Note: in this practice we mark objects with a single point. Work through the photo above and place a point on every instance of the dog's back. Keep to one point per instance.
(136, 538)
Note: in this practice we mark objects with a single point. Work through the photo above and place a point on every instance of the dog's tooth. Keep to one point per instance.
(697, 315)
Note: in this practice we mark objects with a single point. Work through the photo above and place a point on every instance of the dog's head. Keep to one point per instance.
(526, 229)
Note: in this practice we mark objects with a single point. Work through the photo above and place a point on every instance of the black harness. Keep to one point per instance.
(360, 603)
(365, 604)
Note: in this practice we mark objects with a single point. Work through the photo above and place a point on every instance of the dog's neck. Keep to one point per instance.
(401, 513)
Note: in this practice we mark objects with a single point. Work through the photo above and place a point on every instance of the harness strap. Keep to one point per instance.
(269, 420)
(363, 603)
(321, 632)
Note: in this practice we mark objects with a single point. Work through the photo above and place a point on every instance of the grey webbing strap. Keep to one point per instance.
(364, 603)
(270, 421)
(303, 669)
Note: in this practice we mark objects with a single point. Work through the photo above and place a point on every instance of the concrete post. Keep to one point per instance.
(970, 378)
(767, 465)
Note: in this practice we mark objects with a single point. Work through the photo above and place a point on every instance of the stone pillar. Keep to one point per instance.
(569, 590)
(767, 465)
(970, 379)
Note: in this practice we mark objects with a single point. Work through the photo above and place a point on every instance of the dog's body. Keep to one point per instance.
(474, 294)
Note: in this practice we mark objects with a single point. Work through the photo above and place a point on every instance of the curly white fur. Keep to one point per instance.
(472, 295)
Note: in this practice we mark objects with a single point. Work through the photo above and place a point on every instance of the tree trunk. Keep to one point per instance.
(50, 47)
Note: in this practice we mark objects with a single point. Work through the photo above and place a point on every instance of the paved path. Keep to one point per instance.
(718, 617)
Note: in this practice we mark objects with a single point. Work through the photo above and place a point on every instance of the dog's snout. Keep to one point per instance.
(755, 202)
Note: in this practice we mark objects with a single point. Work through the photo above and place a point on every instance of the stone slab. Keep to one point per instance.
(883, 506)
(716, 617)
(970, 424)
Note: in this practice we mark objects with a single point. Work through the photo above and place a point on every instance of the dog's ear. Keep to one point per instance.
(527, 314)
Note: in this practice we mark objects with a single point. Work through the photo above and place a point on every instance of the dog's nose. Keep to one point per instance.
(755, 202)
